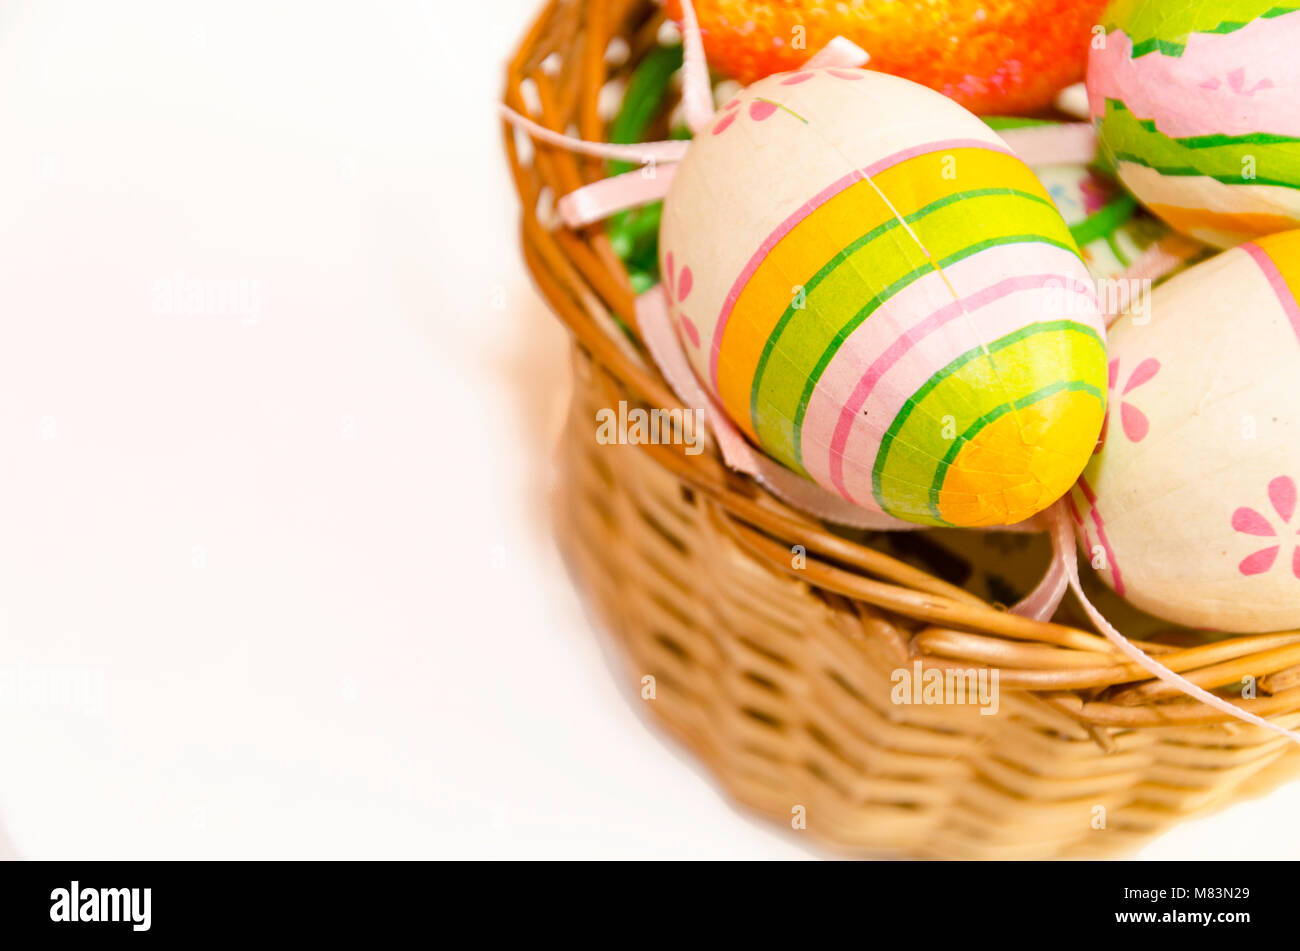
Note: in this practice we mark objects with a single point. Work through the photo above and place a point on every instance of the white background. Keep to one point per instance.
(300, 563)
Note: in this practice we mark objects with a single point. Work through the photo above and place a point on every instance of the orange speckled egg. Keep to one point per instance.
(992, 56)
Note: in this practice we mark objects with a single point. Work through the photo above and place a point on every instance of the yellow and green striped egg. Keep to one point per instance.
(885, 300)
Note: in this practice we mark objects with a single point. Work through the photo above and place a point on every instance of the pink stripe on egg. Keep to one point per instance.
(1278, 283)
(920, 352)
(807, 208)
(1101, 535)
(904, 343)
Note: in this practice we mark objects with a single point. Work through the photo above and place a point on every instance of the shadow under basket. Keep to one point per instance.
(777, 644)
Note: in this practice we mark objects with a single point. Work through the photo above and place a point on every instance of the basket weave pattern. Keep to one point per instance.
(776, 671)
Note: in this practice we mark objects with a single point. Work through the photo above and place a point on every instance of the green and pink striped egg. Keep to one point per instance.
(1196, 106)
(884, 298)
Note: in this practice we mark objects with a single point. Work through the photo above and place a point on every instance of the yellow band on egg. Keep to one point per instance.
(780, 284)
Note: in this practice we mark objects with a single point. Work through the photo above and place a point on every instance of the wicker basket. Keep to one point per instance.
(777, 671)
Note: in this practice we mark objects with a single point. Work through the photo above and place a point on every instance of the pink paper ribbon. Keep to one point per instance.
(1063, 545)
(839, 53)
(609, 196)
(1041, 603)
(697, 93)
(671, 150)
(1070, 143)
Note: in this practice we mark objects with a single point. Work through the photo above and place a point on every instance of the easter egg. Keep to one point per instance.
(1189, 508)
(992, 56)
(884, 299)
(1197, 106)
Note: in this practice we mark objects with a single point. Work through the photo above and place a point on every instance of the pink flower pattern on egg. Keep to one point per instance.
(679, 288)
(1133, 420)
(1248, 521)
(729, 113)
(762, 109)
(1237, 83)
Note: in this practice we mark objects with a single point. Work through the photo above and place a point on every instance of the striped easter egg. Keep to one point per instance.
(1189, 508)
(884, 298)
(1197, 105)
